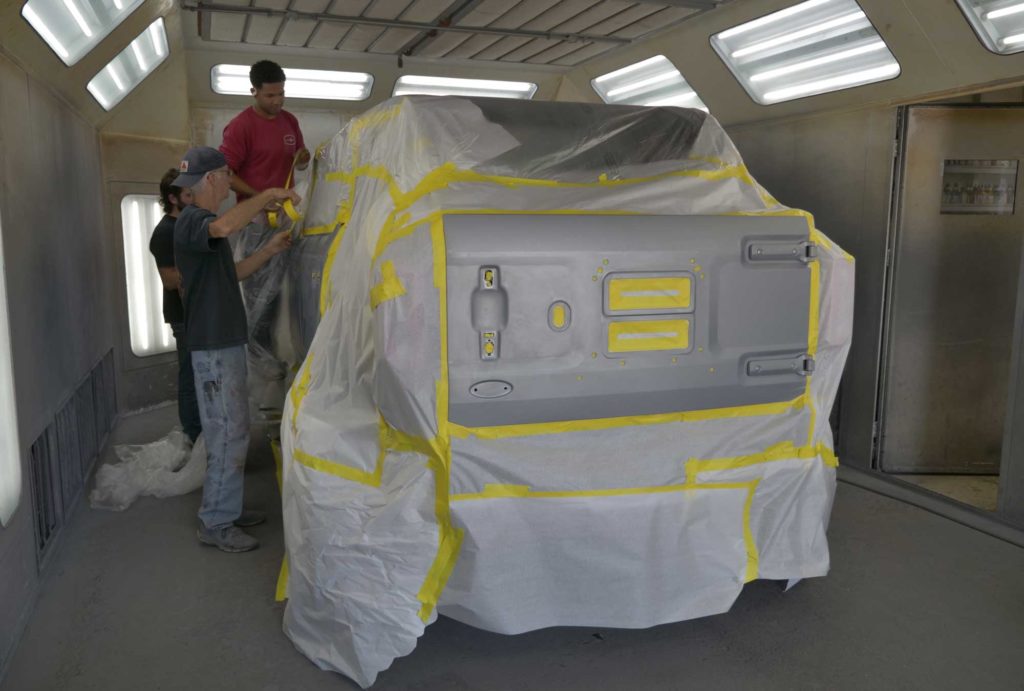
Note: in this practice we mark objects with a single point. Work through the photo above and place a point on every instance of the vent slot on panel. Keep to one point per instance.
(64, 453)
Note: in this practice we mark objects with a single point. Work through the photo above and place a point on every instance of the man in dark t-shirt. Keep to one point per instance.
(216, 334)
(161, 245)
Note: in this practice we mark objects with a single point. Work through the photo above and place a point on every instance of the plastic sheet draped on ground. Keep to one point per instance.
(392, 513)
(167, 467)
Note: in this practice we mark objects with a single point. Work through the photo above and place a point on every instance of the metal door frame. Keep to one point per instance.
(1001, 523)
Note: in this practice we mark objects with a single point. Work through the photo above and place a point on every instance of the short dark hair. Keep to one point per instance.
(167, 189)
(265, 72)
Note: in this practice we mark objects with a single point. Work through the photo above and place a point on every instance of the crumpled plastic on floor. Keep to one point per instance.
(168, 467)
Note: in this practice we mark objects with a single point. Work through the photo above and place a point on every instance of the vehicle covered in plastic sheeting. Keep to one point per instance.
(573, 367)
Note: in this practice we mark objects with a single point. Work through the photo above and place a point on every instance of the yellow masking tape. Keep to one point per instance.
(783, 451)
(339, 469)
(300, 387)
(539, 428)
(449, 539)
(390, 286)
(646, 336)
(660, 293)
(281, 591)
(558, 316)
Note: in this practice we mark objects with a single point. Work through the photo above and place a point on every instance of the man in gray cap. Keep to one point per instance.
(216, 334)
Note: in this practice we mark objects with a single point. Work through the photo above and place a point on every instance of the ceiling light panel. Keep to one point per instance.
(410, 84)
(130, 67)
(74, 27)
(651, 82)
(319, 84)
(807, 49)
(998, 23)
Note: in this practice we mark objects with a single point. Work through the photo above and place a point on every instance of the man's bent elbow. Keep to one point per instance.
(219, 229)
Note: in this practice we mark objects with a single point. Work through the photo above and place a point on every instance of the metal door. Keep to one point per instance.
(956, 260)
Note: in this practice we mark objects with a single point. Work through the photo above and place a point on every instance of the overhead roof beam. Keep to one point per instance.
(692, 4)
(398, 24)
(454, 17)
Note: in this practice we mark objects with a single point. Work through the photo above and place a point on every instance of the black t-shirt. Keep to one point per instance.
(161, 245)
(214, 314)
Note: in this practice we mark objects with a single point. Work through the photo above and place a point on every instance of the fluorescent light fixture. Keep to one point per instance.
(79, 19)
(802, 33)
(833, 83)
(771, 18)
(300, 83)
(817, 62)
(999, 24)
(137, 52)
(10, 450)
(411, 84)
(72, 28)
(651, 82)
(1005, 11)
(629, 69)
(149, 335)
(133, 64)
(822, 46)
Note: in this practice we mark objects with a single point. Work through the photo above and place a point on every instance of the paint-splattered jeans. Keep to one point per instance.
(224, 411)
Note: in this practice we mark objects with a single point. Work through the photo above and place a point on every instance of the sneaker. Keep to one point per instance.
(249, 518)
(229, 539)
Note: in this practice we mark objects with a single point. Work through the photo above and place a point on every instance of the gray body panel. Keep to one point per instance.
(742, 310)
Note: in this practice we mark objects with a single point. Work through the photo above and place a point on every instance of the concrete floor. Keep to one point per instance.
(913, 601)
(980, 491)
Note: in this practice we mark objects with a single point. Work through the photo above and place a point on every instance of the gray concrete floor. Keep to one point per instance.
(913, 601)
(980, 491)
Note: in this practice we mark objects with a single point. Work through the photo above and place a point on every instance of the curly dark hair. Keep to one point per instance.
(167, 189)
(265, 72)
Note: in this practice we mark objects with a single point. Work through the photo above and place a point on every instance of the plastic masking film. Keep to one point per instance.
(393, 513)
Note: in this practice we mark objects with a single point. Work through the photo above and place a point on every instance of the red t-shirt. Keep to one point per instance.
(261, 151)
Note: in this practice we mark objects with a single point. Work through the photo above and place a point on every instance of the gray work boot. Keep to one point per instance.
(250, 517)
(227, 539)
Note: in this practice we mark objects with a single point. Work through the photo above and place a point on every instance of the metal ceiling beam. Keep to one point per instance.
(691, 4)
(453, 17)
(397, 23)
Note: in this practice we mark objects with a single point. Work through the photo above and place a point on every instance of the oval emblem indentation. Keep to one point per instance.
(491, 389)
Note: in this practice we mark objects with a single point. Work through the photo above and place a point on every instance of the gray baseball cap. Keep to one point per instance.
(198, 161)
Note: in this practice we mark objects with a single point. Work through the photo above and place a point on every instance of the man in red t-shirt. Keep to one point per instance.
(261, 145)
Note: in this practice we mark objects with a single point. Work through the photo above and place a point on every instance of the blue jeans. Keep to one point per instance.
(188, 406)
(224, 411)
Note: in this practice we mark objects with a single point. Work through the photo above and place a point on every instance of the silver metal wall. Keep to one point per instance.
(58, 284)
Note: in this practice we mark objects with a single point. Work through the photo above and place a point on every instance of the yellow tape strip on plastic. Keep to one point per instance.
(339, 469)
(389, 288)
(783, 451)
(281, 591)
(539, 428)
(448, 174)
(648, 335)
(299, 389)
(287, 207)
(450, 539)
(660, 293)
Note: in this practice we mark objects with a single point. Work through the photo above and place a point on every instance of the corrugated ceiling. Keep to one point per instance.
(545, 32)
